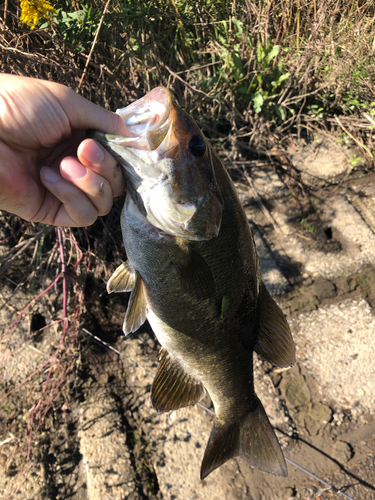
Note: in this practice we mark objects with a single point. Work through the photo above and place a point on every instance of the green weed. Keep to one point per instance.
(355, 160)
(307, 227)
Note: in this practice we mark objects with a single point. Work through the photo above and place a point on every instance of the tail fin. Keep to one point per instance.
(252, 439)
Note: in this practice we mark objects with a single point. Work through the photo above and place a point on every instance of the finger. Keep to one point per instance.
(64, 203)
(95, 157)
(94, 186)
(83, 114)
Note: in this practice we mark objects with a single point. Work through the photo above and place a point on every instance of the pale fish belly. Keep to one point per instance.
(180, 346)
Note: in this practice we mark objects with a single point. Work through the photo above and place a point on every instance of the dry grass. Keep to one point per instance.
(220, 59)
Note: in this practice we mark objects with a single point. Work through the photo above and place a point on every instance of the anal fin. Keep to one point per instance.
(123, 279)
(136, 312)
(173, 388)
(274, 343)
(251, 438)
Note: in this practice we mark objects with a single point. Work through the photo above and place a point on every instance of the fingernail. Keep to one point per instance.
(75, 170)
(50, 174)
(94, 154)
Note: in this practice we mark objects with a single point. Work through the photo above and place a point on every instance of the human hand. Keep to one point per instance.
(41, 126)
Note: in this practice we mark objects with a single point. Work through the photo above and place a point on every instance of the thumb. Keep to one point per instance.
(83, 114)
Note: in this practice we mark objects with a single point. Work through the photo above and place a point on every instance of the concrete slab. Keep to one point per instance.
(356, 237)
(110, 475)
(335, 344)
(267, 184)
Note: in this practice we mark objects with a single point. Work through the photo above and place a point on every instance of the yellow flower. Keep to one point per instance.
(33, 10)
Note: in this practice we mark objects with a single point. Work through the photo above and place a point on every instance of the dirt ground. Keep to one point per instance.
(48, 435)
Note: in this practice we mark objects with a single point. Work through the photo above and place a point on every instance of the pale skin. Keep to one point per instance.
(49, 172)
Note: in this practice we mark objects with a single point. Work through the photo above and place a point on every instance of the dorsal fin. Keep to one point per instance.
(274, 343)
(122, 280)
(136, 312)
(173, 388)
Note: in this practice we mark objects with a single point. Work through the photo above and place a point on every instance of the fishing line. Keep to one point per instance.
(321, 480)
(104, 344)
(101, 342)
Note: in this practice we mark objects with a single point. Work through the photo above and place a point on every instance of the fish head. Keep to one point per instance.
(168, 167)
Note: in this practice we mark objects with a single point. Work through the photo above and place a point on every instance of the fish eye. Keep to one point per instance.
(197, 146)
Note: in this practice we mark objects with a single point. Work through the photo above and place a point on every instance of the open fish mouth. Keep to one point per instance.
(148, 119)
(172, 182)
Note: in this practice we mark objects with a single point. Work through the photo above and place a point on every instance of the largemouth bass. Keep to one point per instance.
(194, 273)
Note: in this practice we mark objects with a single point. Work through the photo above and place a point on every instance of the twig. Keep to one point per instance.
(183, 81)
(299, 97)
(7, 440)
(23, 248)
(354, 139)
(93, 44)
(370, 119)
(302, 236)
(36, 56)
(14, 234)
(318, 479)
(5, 11)
(37, 350)
(5, 302)
(240, 144)
(63, 272)
(191, 70)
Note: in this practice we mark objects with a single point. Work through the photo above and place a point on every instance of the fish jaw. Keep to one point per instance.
(195, 221)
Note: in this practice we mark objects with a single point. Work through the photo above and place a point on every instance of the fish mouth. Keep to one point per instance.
(176, 193)
(148, 119)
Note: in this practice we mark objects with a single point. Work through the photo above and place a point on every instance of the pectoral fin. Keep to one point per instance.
(123, 279)
(136, 312)
(274, 343)
(195, 275)
(173, 388)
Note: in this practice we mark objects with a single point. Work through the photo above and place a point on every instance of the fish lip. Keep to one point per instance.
(154, 119)
(195, 226)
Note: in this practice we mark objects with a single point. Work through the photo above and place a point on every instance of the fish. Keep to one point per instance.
(193, 272)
